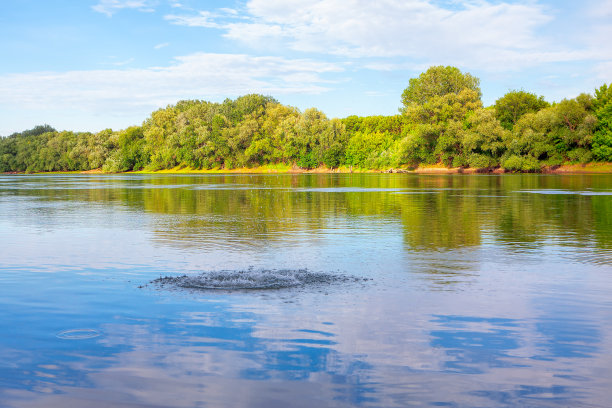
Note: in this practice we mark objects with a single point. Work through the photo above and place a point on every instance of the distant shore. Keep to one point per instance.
(589, 168)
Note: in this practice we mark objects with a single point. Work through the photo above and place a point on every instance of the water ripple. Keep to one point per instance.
(252, 279)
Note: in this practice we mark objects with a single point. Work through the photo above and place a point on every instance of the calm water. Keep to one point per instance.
(460, 291)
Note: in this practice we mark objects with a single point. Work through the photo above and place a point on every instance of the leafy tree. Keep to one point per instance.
(129, 152)
(442, 121)
(363, 148)
(438, 81)
(35, 131)
(557, 133)
(602, 138)
(477, 141)
(434, 103)
(436, 120)
(510, 107)
(575, 124)
(412, 149)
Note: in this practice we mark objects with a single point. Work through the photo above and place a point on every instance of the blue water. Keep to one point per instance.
(459, 291)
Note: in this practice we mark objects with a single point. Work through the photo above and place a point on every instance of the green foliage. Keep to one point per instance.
(443, 121)
(35, 131)
(372, 124)
(44, 149)
(412, 150)
(129, 153)
(552, 133)
(484, 134)
(480, 161)
(513, 105)
(364, 150)
(438, 81)
(518, 163)
(602, 138)
(437, 103)
(580, 155)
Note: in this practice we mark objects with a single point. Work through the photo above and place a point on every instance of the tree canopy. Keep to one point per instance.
(442, 121)
(438, 81)
(602, 139)
(513, 105)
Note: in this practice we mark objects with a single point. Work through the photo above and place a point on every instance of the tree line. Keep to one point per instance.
(441, 120)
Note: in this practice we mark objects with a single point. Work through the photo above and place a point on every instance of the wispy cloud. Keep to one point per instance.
(219, 18)
(603, 71)
(110, 7)
(600, 8)
(196, 76)
(202, 19)
(122, 63)
(483, 34)
(160, 46)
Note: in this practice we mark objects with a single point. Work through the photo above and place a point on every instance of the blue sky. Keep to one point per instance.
(94, 64)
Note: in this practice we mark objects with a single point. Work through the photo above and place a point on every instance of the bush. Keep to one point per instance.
(555, 160)
(580, 155)
(517, 163)
(479, 161)
(459, 161)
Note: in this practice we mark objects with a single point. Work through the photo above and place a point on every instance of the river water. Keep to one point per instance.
(373, 290)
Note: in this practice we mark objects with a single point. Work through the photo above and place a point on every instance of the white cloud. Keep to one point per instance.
(205, 18)
(202, 19)
(479, 34)
(122, 63)
(110, 7)
(229, 11)
(196, 76)
(600, 8)
(160, 46)
(603, 71)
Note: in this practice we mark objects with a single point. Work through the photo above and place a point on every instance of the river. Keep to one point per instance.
(343, 290)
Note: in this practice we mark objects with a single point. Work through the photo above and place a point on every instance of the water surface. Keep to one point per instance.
(390, 290)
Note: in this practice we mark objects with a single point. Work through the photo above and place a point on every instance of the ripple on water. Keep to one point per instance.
(567, 192)
(78, 334)
(252, 279)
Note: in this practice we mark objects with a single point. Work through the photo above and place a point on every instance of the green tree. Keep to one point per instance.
(436, 120)
(602, 138)
(438, 81)
(554, 134)
(129, 152)
(510, 107)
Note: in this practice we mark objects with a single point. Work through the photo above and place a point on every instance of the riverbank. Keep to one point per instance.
(589, 168)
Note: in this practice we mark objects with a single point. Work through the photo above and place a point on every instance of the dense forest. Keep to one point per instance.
(441, 120)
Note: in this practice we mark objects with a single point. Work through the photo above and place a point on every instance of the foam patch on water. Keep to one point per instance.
(252, 279)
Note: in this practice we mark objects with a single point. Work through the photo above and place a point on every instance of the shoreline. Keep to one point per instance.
(589, 168)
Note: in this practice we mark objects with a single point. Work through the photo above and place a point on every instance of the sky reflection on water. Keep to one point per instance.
(480, 295)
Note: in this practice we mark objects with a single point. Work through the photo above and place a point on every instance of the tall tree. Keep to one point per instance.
(438, 81)
(510, 107)
(602, 139)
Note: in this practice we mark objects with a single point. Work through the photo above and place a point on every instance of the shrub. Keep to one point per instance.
(479, 161)
(518, 163)
(580, 155)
